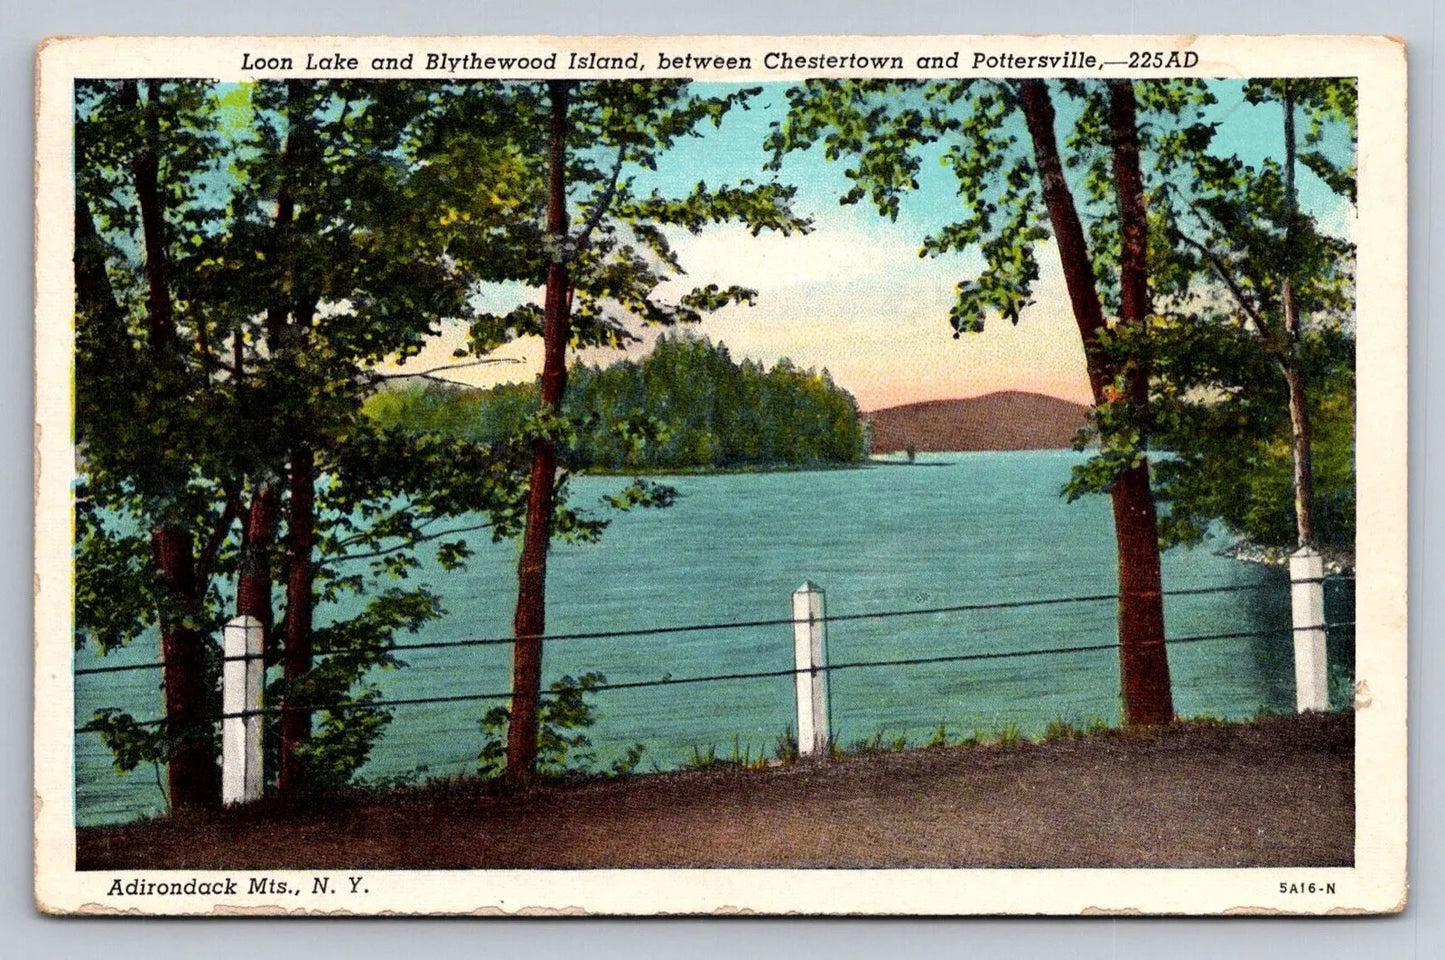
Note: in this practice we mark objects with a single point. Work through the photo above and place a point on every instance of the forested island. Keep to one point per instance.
(687, 405)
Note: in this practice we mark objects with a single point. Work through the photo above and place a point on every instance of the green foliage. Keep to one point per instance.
(130, 742)
(562, 744)
(1062, 730)
(1234, 454)
(703, 760)
(740, 756)
(939, 738)
(1341, 685)
(629, 761)
(341, 743)
(877, 744)
(1009, 735)
(1224, 234)
(348, 724)
(1236, 236)
(883, 129)
(619, 256)
(117, 591)
(685, 405)
(785, 747)
(135, 742)
(245, 255)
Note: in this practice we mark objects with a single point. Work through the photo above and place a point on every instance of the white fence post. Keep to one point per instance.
(810, 653)
(241, 679)
(1307, 603)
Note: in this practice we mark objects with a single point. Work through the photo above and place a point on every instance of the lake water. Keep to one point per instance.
(956, 529)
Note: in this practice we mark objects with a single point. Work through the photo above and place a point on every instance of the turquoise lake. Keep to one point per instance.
(956, 529)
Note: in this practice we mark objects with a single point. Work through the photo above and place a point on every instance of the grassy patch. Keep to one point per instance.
(939, 738)
(879, 743)
(1010, 735)
(1204, 720)
(785, 748)
(1062, 730)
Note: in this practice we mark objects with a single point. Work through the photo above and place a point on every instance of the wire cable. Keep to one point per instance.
(756, 675)
(731, 625)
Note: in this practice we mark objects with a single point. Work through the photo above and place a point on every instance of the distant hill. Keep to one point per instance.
(1008, 420)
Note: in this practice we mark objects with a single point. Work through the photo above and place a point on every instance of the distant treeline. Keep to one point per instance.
(686, 405)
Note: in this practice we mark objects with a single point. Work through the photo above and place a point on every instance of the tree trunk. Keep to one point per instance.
(253, 586)
(1144, 673)
(300, 575)
(287, 324)
(145, 170)
(529, 621)
(258, 535)
(94, 296)
(1144, 663)
(1133, 236)
(1068, 231)
(1304, 483)
(1143, 658)
(300, 534)
(194, 779)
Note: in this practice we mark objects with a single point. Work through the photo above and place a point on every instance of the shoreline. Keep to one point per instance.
(872, 460)
(1337, 562)
(646, 472)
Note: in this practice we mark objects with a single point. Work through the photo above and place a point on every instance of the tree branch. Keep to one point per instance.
(213, 545)
(1234, 288)
(427, 373)
(600, 210)
(145, 176)
(1261, 329)
(402, 509)
(410, 542)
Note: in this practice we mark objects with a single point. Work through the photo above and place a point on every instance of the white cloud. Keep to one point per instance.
(858, 301)
(729, 254)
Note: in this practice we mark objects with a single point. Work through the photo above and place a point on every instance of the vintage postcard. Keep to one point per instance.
(780, 475)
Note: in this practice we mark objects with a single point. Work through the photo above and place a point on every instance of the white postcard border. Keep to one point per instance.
(1377, 881)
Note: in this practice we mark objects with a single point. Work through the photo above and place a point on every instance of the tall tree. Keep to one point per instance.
(1144, 665)
(138, 427)
(1008, 191)
(595, 141)
(1304, 484)
(530, 618)
(1239, 230)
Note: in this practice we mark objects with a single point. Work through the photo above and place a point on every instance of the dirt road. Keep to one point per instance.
(1278, 792)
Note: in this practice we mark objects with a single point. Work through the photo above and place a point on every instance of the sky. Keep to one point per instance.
(853, 296)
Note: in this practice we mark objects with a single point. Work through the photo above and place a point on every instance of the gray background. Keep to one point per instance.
(1417, 932)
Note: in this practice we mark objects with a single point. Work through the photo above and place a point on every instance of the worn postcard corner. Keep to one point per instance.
(720, 475)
